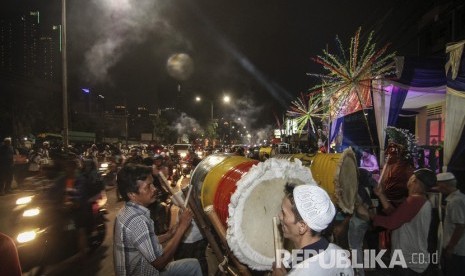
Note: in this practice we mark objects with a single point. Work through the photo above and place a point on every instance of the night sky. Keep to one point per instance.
(256, 51)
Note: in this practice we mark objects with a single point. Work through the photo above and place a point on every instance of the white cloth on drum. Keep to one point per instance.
(255, 202)
(314, 206)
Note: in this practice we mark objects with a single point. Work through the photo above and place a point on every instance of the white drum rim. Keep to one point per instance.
(268, 170)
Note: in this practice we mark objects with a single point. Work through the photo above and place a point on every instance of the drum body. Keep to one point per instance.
(212, 172)
(336, 173)
(246, 195)
(265, 153)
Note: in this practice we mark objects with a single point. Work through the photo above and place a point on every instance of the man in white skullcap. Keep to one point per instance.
(454, 225)
(306, 211)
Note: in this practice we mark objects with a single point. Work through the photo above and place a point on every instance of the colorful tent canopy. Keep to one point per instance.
(421, 82)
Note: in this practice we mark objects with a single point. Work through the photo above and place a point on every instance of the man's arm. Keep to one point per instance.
(406, 211)
(168, 252)
(387, 206)
(454, 239)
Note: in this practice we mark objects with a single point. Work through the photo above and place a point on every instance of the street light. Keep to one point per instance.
(199, 99)
(226, 99)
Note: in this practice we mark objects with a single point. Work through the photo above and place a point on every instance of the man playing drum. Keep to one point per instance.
(306, 211)
(136, 248)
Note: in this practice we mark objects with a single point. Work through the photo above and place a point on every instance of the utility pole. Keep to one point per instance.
(65, 78)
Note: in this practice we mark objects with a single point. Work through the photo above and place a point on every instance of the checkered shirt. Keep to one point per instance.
(135, 244)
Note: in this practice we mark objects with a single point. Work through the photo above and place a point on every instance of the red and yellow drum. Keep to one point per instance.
(247, 194)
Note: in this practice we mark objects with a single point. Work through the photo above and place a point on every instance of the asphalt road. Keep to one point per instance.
(100, 263)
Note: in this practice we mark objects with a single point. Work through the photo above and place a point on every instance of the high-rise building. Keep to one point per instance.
(30, 43)
(6, 45)
(47, 59)
(26, 50)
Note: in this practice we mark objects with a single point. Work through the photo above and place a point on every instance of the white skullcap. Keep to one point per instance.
(445, 176)
(314, 206)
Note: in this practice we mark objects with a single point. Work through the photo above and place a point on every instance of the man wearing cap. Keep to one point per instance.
(306, 211)
(454, 225)
(410, 222)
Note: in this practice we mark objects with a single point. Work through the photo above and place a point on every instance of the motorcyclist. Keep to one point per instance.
(158, 161)
(69, 193)
(159, 210)
(175, 157)
(192, 158)
(107, 153)
(135, 157)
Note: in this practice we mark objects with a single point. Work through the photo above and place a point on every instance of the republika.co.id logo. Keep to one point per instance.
(341, 258)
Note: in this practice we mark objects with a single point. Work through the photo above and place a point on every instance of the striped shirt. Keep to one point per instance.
(135, 244)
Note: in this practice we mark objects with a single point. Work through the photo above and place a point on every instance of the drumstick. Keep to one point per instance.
(277, 240)
(187, 196)
(213, 216)
(382, 174)
(203, 227)
(176, 197)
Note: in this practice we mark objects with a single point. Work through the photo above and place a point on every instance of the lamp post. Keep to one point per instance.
(65, 77)
(199, 99)
(226, 99)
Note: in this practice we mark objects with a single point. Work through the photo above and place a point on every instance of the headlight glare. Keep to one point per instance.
(26, 236)
(24, 200)
(31, 212)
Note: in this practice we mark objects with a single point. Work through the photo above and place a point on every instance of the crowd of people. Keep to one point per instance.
(403, 221)
(149, 240)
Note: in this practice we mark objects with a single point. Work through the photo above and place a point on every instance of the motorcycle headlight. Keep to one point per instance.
(103, 165)
(31, 212)
(183, 154)
(184, 166)
(26, 236)
(24, 200)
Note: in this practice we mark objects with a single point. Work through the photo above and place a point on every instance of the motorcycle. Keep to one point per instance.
(46, 235)
(107, 172)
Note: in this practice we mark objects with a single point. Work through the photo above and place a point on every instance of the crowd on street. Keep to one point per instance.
(399, 210)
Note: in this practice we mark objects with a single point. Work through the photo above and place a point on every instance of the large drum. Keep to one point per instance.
(246, 196)
(334, 172)
(265, 153)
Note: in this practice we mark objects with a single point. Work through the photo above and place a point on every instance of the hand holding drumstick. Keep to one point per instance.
(278, 269)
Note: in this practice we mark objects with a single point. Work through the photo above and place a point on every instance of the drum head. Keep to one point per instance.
(346, 181)
(254, 204)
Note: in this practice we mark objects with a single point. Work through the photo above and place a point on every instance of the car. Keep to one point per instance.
(182, 149)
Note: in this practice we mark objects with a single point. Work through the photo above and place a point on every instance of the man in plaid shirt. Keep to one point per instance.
(137, 250)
